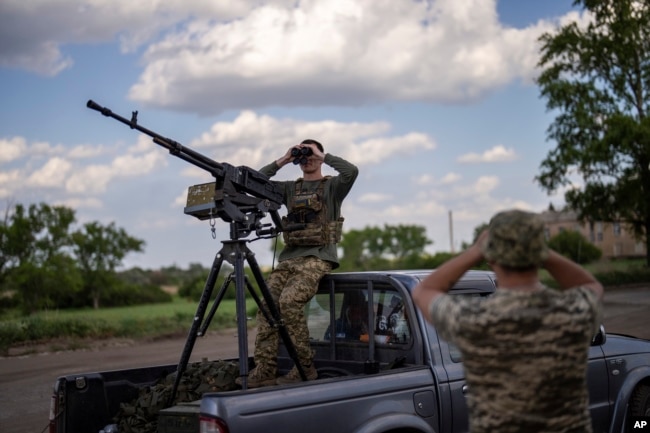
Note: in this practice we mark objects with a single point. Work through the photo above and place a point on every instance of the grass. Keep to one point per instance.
(69, 329)
(612, 273)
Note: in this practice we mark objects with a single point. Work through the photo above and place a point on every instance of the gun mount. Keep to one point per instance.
(240, 196)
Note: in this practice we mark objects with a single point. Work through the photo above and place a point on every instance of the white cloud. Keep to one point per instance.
(211, 55)
(496, 154)
(93, 179)
(81, 203)
(479, 189)
(51, 175)
(374, 197)
(91, 21)
(252, 139)
(9, 180)
(87, 151)
(450, 178)
(446, 50)
(429, 180)
(12, 149)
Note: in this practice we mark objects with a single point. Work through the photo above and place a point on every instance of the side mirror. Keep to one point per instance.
(600, 337)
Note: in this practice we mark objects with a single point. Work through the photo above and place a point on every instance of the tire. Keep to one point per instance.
(640, 401)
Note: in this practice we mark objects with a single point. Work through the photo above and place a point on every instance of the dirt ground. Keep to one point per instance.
(26, 379)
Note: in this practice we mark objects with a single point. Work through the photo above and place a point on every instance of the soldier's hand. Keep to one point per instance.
(286, 158)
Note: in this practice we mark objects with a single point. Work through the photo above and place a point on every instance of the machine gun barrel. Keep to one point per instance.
(237, 192)
(174, 147)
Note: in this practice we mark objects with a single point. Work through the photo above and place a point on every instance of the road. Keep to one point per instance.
(26, 381)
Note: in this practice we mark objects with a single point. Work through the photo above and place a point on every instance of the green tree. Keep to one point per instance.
(404, 241)
(596, 79)
(575, 246)
(99, 250)
(390, 247)
(35, 262)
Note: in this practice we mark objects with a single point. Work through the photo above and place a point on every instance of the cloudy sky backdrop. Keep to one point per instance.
(433, 100)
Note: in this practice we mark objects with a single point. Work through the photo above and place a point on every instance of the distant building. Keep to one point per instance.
(612, 238)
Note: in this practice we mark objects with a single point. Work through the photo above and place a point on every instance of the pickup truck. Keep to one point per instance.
(399, 377)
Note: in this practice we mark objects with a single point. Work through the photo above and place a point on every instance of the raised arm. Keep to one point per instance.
(569, 274)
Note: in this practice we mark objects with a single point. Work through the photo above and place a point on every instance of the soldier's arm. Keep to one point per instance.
(442, 279)
(347, 174)
(271, 169)
(569, 274)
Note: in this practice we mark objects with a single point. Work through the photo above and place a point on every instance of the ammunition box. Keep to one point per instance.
(200, 201)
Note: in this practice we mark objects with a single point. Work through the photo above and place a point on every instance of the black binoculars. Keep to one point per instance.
(300, 154)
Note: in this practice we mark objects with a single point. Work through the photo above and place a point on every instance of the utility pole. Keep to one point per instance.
(451, 233)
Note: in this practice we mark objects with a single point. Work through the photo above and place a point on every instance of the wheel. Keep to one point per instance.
(640, 401)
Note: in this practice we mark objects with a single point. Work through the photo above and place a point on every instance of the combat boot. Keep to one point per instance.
(294, 376)
(259, 376)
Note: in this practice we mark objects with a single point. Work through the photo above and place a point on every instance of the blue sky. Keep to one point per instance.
(433, 100)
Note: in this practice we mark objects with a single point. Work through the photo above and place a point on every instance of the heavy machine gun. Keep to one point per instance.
(240, 196)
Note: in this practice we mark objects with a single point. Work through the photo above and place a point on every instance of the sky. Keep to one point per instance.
(435, 102)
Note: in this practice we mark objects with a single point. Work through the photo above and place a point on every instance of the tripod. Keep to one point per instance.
(236, 252)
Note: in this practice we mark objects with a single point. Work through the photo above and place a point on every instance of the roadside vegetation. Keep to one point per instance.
(60, 287)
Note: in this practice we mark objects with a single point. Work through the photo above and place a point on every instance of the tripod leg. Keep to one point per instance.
(215, 305)
(198, 318)
(242, 331)
(275, 314)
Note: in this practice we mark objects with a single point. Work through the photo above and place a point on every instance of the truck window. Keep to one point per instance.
(344, 316)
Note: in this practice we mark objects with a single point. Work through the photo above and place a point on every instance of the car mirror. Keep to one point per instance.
(600, 337)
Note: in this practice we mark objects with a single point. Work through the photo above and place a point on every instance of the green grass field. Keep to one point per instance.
(68, 327)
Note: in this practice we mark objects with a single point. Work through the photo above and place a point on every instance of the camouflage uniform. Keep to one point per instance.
(292, 285)
(525, 357)
(524, 352)
(295, 280)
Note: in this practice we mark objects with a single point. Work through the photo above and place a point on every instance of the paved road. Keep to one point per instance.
(26, 381)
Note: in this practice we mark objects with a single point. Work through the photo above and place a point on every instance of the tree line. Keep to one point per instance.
(47, 262)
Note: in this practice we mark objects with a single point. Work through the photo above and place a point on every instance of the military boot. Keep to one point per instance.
(259, 376)
(294, 376)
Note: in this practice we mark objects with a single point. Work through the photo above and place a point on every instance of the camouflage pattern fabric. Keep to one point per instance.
(292, 285)
(525, 357)
(516, 239)
(141, 414)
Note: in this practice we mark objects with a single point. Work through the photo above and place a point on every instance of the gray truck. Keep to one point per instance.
(398, 376)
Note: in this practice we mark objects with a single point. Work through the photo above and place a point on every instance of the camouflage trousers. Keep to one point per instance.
(292, 285)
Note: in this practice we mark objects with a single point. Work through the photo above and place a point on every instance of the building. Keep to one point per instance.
(612, 238)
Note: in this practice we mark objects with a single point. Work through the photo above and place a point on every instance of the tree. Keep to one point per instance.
(35, 261)
(374, 247)
(597, 79)
(575, 246)
(99, 251)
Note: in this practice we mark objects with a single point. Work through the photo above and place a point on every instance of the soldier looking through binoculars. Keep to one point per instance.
(314, 203)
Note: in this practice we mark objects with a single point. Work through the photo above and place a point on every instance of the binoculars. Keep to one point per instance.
(300, 154)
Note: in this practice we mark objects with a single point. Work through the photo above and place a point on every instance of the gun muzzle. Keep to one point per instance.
(95, 106)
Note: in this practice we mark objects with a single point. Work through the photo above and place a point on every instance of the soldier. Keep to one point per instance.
(352, 325)
(313, 203)
(525, 348)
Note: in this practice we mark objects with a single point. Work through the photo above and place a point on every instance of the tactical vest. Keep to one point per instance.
(309, 209)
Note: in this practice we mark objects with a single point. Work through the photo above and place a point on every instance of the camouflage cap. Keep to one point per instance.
(516, 239)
